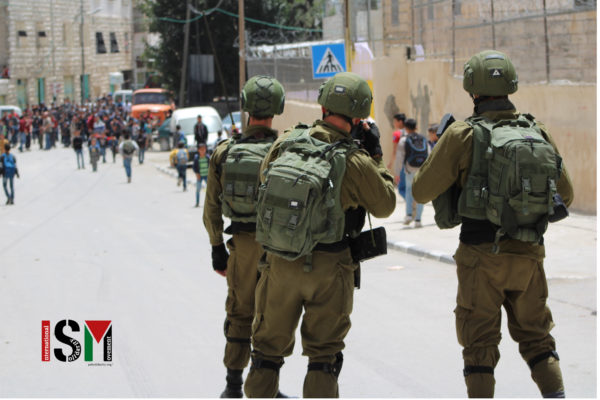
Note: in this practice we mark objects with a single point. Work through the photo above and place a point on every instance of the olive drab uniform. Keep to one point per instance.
(512, 276)
(325, 292)
(244, 250)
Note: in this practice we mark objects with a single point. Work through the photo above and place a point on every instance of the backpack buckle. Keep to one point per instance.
(526, 185)
(268, 215)
(293, 222)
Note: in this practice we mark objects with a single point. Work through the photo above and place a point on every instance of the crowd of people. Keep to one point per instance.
(101, 126)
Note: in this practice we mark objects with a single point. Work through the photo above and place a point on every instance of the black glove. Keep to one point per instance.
(369, 137)
(371, 140)
(219, 257)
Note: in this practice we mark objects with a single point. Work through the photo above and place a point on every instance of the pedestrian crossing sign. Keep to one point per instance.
(328, 59)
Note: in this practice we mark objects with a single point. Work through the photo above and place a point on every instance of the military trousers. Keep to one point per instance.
(515, 280)
(285, 290)
(242, 275)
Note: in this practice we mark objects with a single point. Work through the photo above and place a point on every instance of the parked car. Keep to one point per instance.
(9, 110)
(237, 119)
(187, 118)
(157, 102)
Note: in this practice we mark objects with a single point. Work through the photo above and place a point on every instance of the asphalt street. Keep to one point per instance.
(83, 246)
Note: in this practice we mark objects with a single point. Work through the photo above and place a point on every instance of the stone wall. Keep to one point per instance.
(56, 57)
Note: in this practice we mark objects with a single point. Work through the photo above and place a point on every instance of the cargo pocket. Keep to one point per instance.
(231, 263)
(260, 299)
(346, 275)
(466, 270)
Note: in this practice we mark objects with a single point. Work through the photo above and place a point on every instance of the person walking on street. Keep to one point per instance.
(142, 142)
(8, 164)
(298, 274)
(47, 127)
(95, 152)
(504, 203)
(179, 158)
(231, 191)
(412, 153)
(200, 168)
(127, 148)
(200, 131)
(399, 132)
(78, 147)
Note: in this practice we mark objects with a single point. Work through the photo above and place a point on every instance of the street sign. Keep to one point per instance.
(328, 59)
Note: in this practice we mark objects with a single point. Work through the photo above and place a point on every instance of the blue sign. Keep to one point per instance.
(328, 59)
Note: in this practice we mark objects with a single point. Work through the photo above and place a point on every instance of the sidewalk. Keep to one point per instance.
(570, 243)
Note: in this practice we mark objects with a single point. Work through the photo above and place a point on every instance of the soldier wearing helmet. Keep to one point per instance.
(231, 190)
(324, 292)
(496, 266)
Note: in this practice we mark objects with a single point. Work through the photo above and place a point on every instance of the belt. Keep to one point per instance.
(332, 247)
(236, 227)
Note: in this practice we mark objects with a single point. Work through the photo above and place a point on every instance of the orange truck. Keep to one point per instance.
(156, 102)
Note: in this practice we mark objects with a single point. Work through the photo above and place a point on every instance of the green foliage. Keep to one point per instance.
(168, 54)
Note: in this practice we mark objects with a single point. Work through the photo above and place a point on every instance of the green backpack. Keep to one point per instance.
(513, 177)
(128, 147)
(299, 201)
(241, 172)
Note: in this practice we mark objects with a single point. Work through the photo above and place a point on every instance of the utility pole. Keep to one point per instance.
(242, 42)
(347, 42)
(81, 80)
(186, 40)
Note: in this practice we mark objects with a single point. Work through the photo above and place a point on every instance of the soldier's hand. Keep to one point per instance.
(219, 259)
(371, 139)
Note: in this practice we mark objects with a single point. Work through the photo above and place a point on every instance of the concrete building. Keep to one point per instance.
(55, 49)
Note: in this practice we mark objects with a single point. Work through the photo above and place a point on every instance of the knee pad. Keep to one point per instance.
(335, 368)
(541, 357)
(477, 369)
(258, 362)
(226, 326)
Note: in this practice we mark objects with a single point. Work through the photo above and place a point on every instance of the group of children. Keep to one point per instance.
(179, 159)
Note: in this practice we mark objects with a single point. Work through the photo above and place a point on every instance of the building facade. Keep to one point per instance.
(56, 49)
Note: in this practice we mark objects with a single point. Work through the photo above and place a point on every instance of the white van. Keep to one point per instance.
(187, 118)
(123, 96)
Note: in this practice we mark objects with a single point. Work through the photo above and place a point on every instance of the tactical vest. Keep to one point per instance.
(299, 203)
(512, 178)
(240, 168)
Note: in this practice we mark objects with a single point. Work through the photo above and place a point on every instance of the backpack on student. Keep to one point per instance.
(513, 177)
(299, 202)
(128, 147)
(415, 149)
(240, 170)
(182, 157)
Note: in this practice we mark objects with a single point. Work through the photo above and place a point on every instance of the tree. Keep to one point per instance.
(168, 54)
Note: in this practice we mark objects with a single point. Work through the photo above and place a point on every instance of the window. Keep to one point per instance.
(22, 34)
(456, 6)
(100, 47)
(114, 46)
(395, 13)
(585, 3)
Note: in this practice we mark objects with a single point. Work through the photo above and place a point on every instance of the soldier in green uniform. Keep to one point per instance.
(324, 291)
(231, 190)
(500, 257)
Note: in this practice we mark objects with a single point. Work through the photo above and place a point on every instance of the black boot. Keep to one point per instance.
(234, 384)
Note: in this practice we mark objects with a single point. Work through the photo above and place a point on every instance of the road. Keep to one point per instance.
(88, 246)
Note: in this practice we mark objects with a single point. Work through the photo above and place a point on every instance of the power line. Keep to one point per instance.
(230, 14)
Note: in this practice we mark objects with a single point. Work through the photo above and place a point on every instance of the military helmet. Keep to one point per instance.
(263, 96)
(490, 73)
(347, 94)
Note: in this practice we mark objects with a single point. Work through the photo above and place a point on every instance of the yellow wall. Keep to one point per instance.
(426, 91)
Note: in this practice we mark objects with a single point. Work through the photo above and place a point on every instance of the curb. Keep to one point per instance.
(405, 247)
(415, 250)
